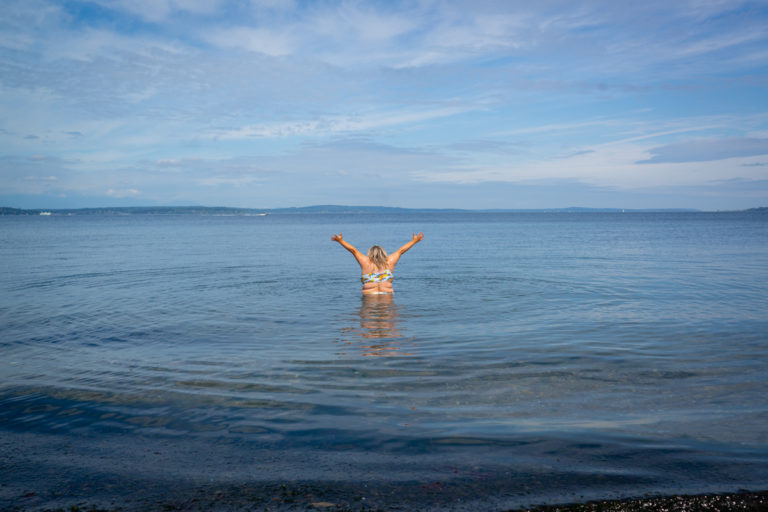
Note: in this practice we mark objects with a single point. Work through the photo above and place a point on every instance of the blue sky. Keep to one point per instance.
(505, 104)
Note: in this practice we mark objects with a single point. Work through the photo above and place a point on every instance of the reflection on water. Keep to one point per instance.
(380, 333)
(379, 316)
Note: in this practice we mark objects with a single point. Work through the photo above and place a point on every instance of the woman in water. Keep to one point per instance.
(377, 266)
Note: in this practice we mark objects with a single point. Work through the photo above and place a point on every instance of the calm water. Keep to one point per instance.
(524, 357)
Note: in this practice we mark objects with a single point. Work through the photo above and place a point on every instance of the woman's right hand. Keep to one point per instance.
(337, 238)
(418, 238)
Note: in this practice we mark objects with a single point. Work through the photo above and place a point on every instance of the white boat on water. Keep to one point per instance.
(45, 213)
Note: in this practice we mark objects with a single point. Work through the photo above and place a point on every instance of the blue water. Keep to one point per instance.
(524, 358)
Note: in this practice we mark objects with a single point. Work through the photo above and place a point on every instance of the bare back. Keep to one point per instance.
(383, 281)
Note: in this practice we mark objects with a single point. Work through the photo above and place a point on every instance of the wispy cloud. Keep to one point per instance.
(125, 192)
(258, 40)
(161, 10)
(704, 150)
(339, 124)
(711, 44)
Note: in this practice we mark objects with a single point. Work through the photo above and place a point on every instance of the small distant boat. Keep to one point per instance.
(263, 214)
(45, 213)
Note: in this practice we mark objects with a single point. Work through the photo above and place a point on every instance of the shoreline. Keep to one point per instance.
(50, 472)
(742, 501)
(286, 498)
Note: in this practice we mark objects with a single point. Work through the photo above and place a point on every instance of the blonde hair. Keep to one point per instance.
(378, 256)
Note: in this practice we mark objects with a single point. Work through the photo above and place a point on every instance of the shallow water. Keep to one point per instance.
(527, 353)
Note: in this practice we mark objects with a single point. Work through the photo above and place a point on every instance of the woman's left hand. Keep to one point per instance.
(418, 238)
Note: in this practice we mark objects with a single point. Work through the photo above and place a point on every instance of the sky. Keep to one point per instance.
(423, 104)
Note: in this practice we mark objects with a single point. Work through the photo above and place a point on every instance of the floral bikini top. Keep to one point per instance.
(377, 277)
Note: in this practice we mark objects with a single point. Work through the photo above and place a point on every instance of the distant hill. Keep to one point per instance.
(318, 209)
(4, 210)
(216, 210)
(138, 210)
(359, 209)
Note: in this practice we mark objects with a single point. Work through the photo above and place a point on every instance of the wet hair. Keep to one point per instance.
(378, 256)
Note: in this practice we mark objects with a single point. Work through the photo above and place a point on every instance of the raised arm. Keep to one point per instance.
(360, 257)
(395, 256)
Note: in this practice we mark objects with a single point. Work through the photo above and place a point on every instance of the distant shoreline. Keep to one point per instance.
(325, 209)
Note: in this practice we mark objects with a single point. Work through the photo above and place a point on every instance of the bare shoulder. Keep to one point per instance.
(392, 259)
(363, 260)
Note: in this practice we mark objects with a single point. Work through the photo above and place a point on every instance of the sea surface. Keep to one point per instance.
(524, 358)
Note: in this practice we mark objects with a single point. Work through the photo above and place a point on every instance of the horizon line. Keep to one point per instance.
(341, 208)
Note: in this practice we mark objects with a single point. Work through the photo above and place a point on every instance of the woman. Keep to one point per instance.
(377, 266)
